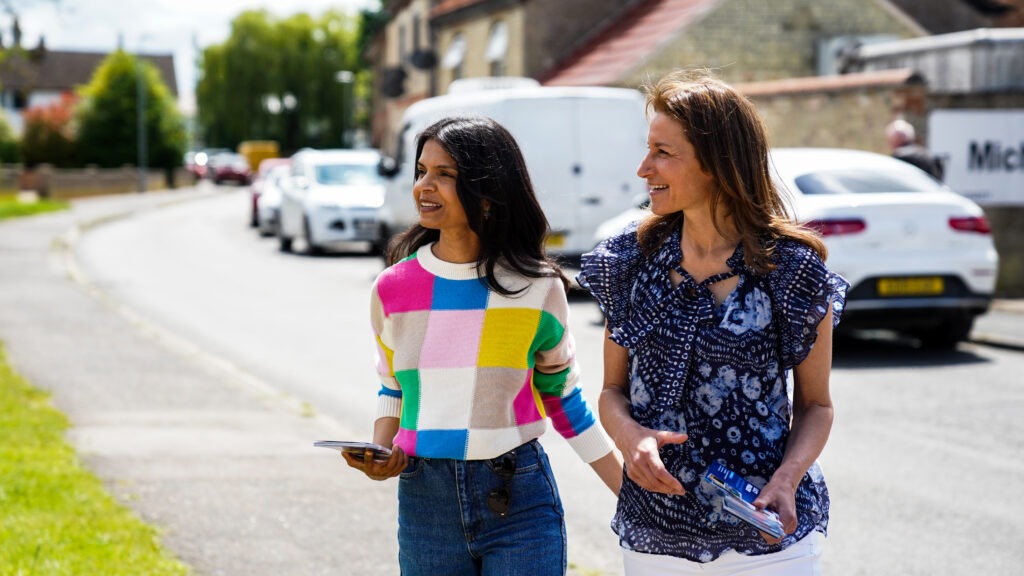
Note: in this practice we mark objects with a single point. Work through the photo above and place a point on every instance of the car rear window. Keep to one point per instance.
(854, 181)
(347, 174)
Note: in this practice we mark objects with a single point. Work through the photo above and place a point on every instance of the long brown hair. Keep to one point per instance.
(731, 144)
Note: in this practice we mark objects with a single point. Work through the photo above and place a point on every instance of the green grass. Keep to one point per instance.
(55, 517)
(12, 207)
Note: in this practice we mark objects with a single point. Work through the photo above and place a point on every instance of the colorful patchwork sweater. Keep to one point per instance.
(470, 373)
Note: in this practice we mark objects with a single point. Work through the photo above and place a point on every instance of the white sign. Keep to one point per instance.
(982, 153)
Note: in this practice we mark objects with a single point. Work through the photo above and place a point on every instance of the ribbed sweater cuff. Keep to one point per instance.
(389, 406)
(592, 444)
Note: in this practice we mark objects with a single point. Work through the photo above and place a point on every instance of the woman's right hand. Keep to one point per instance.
(639, 447)
(375, 470)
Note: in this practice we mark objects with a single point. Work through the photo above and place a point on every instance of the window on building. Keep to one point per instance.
(455, 56)
(497, 48)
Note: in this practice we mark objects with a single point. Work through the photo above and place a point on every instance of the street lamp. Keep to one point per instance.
(346, 78)
(142, 145)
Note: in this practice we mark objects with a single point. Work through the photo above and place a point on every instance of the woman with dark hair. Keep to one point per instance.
(709, 303)
(474, 355)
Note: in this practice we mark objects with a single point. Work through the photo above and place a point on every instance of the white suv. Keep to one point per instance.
(331, 200)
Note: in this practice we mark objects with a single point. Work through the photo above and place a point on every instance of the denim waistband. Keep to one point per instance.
(531, 445)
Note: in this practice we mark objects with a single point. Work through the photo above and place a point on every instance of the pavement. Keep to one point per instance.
(219, 461)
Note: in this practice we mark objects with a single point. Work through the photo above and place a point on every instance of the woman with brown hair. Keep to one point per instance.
(709, 304)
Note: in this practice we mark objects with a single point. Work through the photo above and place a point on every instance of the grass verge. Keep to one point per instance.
(57, 517)
(11, 206)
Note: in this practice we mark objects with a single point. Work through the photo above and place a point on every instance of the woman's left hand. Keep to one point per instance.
(780, 496)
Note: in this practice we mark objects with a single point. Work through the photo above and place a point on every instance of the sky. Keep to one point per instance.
(148, 26)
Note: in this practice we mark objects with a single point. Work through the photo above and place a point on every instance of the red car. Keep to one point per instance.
(230, 167)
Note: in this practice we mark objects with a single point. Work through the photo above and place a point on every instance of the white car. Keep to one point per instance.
(268, 202)
(919, 257)
(332, 199)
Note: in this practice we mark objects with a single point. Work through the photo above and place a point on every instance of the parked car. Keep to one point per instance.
(332, 198)
(919, 257)
(269, 201)
(256, 188)
(197, 162)
(229, 167)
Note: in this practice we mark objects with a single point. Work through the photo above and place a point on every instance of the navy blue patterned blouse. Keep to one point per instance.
(717, 373)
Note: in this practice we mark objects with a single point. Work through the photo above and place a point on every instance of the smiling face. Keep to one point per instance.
(675, 179)
(434, 191)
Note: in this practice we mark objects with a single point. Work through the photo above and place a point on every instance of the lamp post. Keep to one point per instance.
(142, 144)
(346, 78)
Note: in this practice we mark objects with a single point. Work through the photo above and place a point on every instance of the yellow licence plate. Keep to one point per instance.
(923, 286)
(555, 240)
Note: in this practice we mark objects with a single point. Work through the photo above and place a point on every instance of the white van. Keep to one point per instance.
(582, 146)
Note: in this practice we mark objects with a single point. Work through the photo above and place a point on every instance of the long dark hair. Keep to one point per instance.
(731, 144)
(490, 167)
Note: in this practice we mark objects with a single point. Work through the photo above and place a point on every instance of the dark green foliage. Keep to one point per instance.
(107, 116)
(278, 79)
(10, 151)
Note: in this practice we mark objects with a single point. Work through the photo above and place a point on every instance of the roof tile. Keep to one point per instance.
(856, 81)
(447, 6)
(60, 70)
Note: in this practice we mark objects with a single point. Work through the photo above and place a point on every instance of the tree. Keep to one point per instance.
(48, 136)
(10, 150)
(278, 79)
(107, 116)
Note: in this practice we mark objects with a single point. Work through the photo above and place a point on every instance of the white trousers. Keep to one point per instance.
(800, 559)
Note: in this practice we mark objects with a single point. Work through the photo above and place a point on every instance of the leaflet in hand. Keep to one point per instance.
(738, 497)
(357, 449)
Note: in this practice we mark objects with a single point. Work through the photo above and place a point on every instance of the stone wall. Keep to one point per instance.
(64, 183)
(752, 40)
(849, 111)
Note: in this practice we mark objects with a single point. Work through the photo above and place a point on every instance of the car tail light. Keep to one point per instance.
(977, 224)
(837, 227)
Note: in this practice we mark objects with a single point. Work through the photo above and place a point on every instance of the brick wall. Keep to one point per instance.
(844, 117)
(65, 183)
(750, 40)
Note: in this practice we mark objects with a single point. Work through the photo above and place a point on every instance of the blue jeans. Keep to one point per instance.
(445, 526)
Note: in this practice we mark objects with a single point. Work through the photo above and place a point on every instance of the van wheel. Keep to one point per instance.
(284, 243)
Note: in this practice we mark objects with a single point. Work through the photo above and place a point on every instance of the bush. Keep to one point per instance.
(10, 150)
(48, 136)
